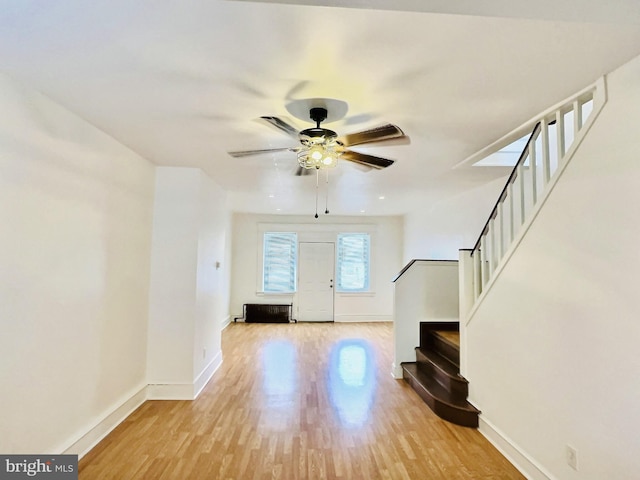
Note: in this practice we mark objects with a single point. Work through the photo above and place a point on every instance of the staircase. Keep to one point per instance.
(435, 375)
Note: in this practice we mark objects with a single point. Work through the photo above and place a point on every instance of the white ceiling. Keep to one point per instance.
(182, 83)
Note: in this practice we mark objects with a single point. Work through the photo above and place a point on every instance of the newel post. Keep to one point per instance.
(466, 299)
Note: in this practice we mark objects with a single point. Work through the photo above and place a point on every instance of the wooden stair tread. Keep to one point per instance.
(450, 337)
(436, 390)
(443, 363)
(435, 375)
(443, 346)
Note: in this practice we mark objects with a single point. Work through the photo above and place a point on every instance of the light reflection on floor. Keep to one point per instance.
(279, 380)
(351, 381)
(349, 385)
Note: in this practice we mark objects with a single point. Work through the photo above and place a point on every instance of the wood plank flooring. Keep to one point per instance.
(297, 401)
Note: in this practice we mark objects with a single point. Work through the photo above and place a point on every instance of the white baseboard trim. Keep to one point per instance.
(94, 434)
(206, 374)
(396, 372)
(102, 428)
(170, 391)
(528, 466)
(362, 318)
(185, 391)
(226, 322)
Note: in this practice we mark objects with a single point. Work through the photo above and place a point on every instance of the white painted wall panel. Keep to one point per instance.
(212, 285)
(188, 295)
(552, 351)
(172, 299)
(76, 212)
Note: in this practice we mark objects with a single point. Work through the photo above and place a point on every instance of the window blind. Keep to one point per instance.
(279, 262)
(353, 262)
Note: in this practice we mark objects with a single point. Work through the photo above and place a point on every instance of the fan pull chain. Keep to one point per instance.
(317, 177)
(326, 203)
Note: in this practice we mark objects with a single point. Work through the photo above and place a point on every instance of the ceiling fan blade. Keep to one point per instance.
(282, 125)
(247, 153)
(390, 142)
(378, 134)
(368, 160)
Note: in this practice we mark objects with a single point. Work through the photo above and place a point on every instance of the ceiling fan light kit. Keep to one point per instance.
(321, 143)
(320, 148)
(318, 157)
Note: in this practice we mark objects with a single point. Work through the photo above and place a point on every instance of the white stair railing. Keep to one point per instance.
(555, 135)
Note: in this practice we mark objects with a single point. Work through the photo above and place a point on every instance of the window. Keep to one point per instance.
(353, 262)
(279, 262)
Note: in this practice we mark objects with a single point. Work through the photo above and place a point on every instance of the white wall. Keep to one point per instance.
(188, 302)
(76, 211)
(450, 225)
(552, 351)
(386, 253)
(212, 284)
(172, 299)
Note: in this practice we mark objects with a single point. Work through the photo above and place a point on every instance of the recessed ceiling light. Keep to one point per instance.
(381, 197)
(278, 209)
(361, 211)
(271, 196)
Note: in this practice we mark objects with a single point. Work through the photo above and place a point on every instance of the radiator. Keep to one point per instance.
(267, 313)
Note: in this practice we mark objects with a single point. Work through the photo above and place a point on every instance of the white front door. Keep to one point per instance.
(315, 282)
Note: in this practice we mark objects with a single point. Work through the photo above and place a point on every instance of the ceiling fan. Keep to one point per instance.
(320, 147)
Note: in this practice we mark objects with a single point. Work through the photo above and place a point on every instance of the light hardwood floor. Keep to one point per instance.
(297, 401)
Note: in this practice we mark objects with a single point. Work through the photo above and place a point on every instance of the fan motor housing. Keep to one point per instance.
(315, 136)
(318, 114)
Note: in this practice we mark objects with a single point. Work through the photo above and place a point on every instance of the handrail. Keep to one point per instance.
(519, 200)
(510, 180)
(408, 265)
